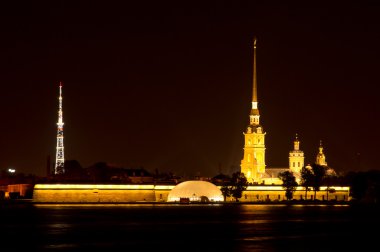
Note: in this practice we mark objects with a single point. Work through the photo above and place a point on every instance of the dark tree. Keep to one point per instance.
(74, 171)
(288, 183)
(365, 186)
(319, 173)
(328, 181)
(238, 184)
(98, 172)
(306, 178)
(226, 191)
(359, 185)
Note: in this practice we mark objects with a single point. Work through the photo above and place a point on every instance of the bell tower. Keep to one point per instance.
(253, 162)
(296, 157)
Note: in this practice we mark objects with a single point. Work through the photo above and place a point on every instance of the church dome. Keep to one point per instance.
(195, 190)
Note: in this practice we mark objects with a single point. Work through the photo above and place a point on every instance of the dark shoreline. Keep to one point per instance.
(319, 203)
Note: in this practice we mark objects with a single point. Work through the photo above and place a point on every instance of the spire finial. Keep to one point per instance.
(254, 96)
(296, 143)
(320, 146)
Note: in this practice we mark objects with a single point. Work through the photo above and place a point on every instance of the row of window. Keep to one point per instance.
(294, 164)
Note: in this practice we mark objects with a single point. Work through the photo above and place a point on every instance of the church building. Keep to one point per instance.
(253, 163)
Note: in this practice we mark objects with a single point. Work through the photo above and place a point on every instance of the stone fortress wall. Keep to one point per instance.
(75, 193)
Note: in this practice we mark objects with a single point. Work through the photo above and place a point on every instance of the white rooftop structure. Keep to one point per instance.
(195, 190)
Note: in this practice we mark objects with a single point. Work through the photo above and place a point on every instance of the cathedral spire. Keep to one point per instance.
(321, 158)
(320, 147)
(254, 96)
(255, 115)
(253, 162)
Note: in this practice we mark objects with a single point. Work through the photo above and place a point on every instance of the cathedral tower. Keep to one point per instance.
(321, 158)
(253, 163)
(296, 157)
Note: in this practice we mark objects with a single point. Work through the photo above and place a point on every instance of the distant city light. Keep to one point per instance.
(11, 170)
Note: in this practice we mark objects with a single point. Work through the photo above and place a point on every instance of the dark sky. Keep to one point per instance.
(167, 85)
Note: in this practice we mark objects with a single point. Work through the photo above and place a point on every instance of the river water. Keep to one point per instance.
(162, 227)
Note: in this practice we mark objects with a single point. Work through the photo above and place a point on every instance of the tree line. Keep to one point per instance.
(364, 186)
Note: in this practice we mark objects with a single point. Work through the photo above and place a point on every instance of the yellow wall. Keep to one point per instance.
(99, 193)
(276, 193)
(156, 193)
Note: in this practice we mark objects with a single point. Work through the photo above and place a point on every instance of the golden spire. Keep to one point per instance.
(255, 114)
(254, 96)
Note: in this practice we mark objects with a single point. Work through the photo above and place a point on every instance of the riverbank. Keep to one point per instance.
(293, 202)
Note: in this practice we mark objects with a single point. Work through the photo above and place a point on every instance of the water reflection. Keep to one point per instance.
(190, 227)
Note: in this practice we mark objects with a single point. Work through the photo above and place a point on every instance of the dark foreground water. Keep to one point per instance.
(29, 227)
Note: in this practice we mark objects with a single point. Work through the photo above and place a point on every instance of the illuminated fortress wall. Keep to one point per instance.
(277, 193)
(70, 193)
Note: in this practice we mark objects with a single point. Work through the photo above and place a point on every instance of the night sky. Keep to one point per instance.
(168, 85)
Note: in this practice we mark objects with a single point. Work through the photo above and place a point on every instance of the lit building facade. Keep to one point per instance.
(253, 162)
(296, 158)
(93, 193)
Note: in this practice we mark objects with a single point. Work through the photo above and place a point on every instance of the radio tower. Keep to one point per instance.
(60, 157)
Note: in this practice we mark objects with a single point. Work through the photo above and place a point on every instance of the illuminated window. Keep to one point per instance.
(294, 164)
(299, 164)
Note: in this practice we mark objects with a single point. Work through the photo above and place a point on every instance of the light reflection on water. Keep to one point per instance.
(219, 227)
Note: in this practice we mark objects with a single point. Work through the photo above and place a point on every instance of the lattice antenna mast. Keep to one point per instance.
(60, 156)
